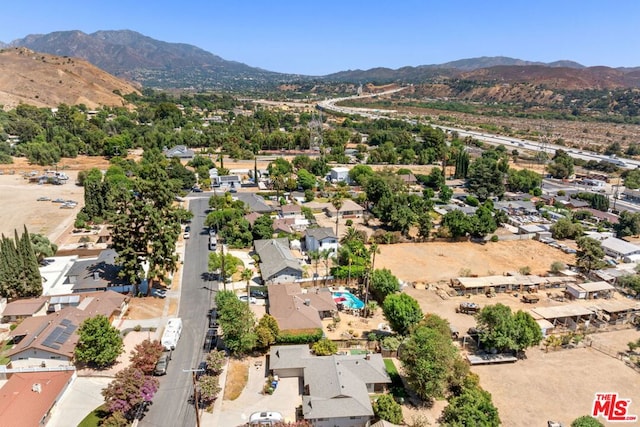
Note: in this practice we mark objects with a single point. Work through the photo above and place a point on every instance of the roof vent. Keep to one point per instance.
(37, 387)
(307, 302)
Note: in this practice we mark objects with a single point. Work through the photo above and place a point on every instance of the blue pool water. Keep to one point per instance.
(350, 300)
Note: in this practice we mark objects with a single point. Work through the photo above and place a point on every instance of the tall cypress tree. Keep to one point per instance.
(32, 277)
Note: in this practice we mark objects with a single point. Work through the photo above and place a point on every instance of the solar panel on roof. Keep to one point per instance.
(53, 337)
(65, 322)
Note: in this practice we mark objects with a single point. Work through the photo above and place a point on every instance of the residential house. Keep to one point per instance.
(286, 226)
(51, 340)
(349, 209)
(618, 248)
(179, 151)
(291, 211)
(336, 388)
(339, 174)
(29, 398)
(408, 179)
(18, 310)
(254, 202)
(251, 217)
(295, 310)
(97, 274)
(320, 239)
(277, 263)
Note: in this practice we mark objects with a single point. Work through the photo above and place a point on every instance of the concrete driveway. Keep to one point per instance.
(285, 399)
(82, 397)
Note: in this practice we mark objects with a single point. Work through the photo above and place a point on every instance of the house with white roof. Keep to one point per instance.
(618, 248)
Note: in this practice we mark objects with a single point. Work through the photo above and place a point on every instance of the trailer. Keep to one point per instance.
(171, 333)
(530, 299)
(468, 308)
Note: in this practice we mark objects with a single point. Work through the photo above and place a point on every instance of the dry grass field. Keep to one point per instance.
(436, 261)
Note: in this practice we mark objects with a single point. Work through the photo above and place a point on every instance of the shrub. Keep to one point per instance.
(494, 238)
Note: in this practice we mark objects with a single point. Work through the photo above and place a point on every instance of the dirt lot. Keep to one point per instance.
(558, 385)
(434, 261)
(18, 198)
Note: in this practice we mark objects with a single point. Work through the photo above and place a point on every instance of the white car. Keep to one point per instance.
(244, 298)
(186, 235)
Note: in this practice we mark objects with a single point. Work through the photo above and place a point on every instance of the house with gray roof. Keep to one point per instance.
(336, 388)
(277, 263)
(97, 274)
(179, 151)
(320, 239)
(618, 248)
(254, 202)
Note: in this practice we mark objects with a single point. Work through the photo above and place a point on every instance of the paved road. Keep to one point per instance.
(170, 405)
(488, 138)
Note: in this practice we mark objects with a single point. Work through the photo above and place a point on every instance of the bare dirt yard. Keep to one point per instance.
(436, 261)
(558, 385)
(18, 197)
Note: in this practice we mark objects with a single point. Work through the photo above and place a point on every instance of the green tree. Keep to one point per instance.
(428, 358)
(586, 421)
(306, 180)
(505, 331)
(42, 246)
(360, 174)
(383, 283)
(99, 343)
(523, 180)
(457, 222)
(262, 227)
(590, 254)
(237, 322)
(561, 166)
(231, 264)
(486, 178)
(324, 347)
(628, 224)
(472, 407)
(267, 331)
(445, 193)
(461, 165)
(565, 228)
(386, 408)
(402, 311)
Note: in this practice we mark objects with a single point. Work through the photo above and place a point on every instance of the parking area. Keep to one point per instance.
(286, 397)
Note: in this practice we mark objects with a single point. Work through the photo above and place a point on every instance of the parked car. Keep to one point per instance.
(196, 190)
(245, 298)
(186, 235)
(162, 364)
(258, 294)
(44, 199)
(58, 200)
(202, 369)
(211, 339)
(160, 293)
(187, 229)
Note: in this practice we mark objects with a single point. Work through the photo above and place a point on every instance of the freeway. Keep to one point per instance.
(170, 404)
(517, 143)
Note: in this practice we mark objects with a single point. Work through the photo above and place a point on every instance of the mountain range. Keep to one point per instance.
(158, 64)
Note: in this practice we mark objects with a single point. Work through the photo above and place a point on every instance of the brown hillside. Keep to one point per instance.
(43, 80)
(552, 77)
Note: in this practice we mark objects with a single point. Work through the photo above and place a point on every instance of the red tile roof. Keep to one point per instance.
(24, 403)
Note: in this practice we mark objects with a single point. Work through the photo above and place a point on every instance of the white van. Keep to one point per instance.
(171, 333)
(259, 419)
(213, 243)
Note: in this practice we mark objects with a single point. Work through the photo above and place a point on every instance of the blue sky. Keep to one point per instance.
(322, 37)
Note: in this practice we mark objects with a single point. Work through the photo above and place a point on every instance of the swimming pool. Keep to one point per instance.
(348, 300)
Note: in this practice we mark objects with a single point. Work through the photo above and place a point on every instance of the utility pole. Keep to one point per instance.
(195, 393)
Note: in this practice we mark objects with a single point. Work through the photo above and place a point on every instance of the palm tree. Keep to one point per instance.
(352, 234)
(314, 255)
(246, 275)
(325, 254)
(337, 203)
(373, 250)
